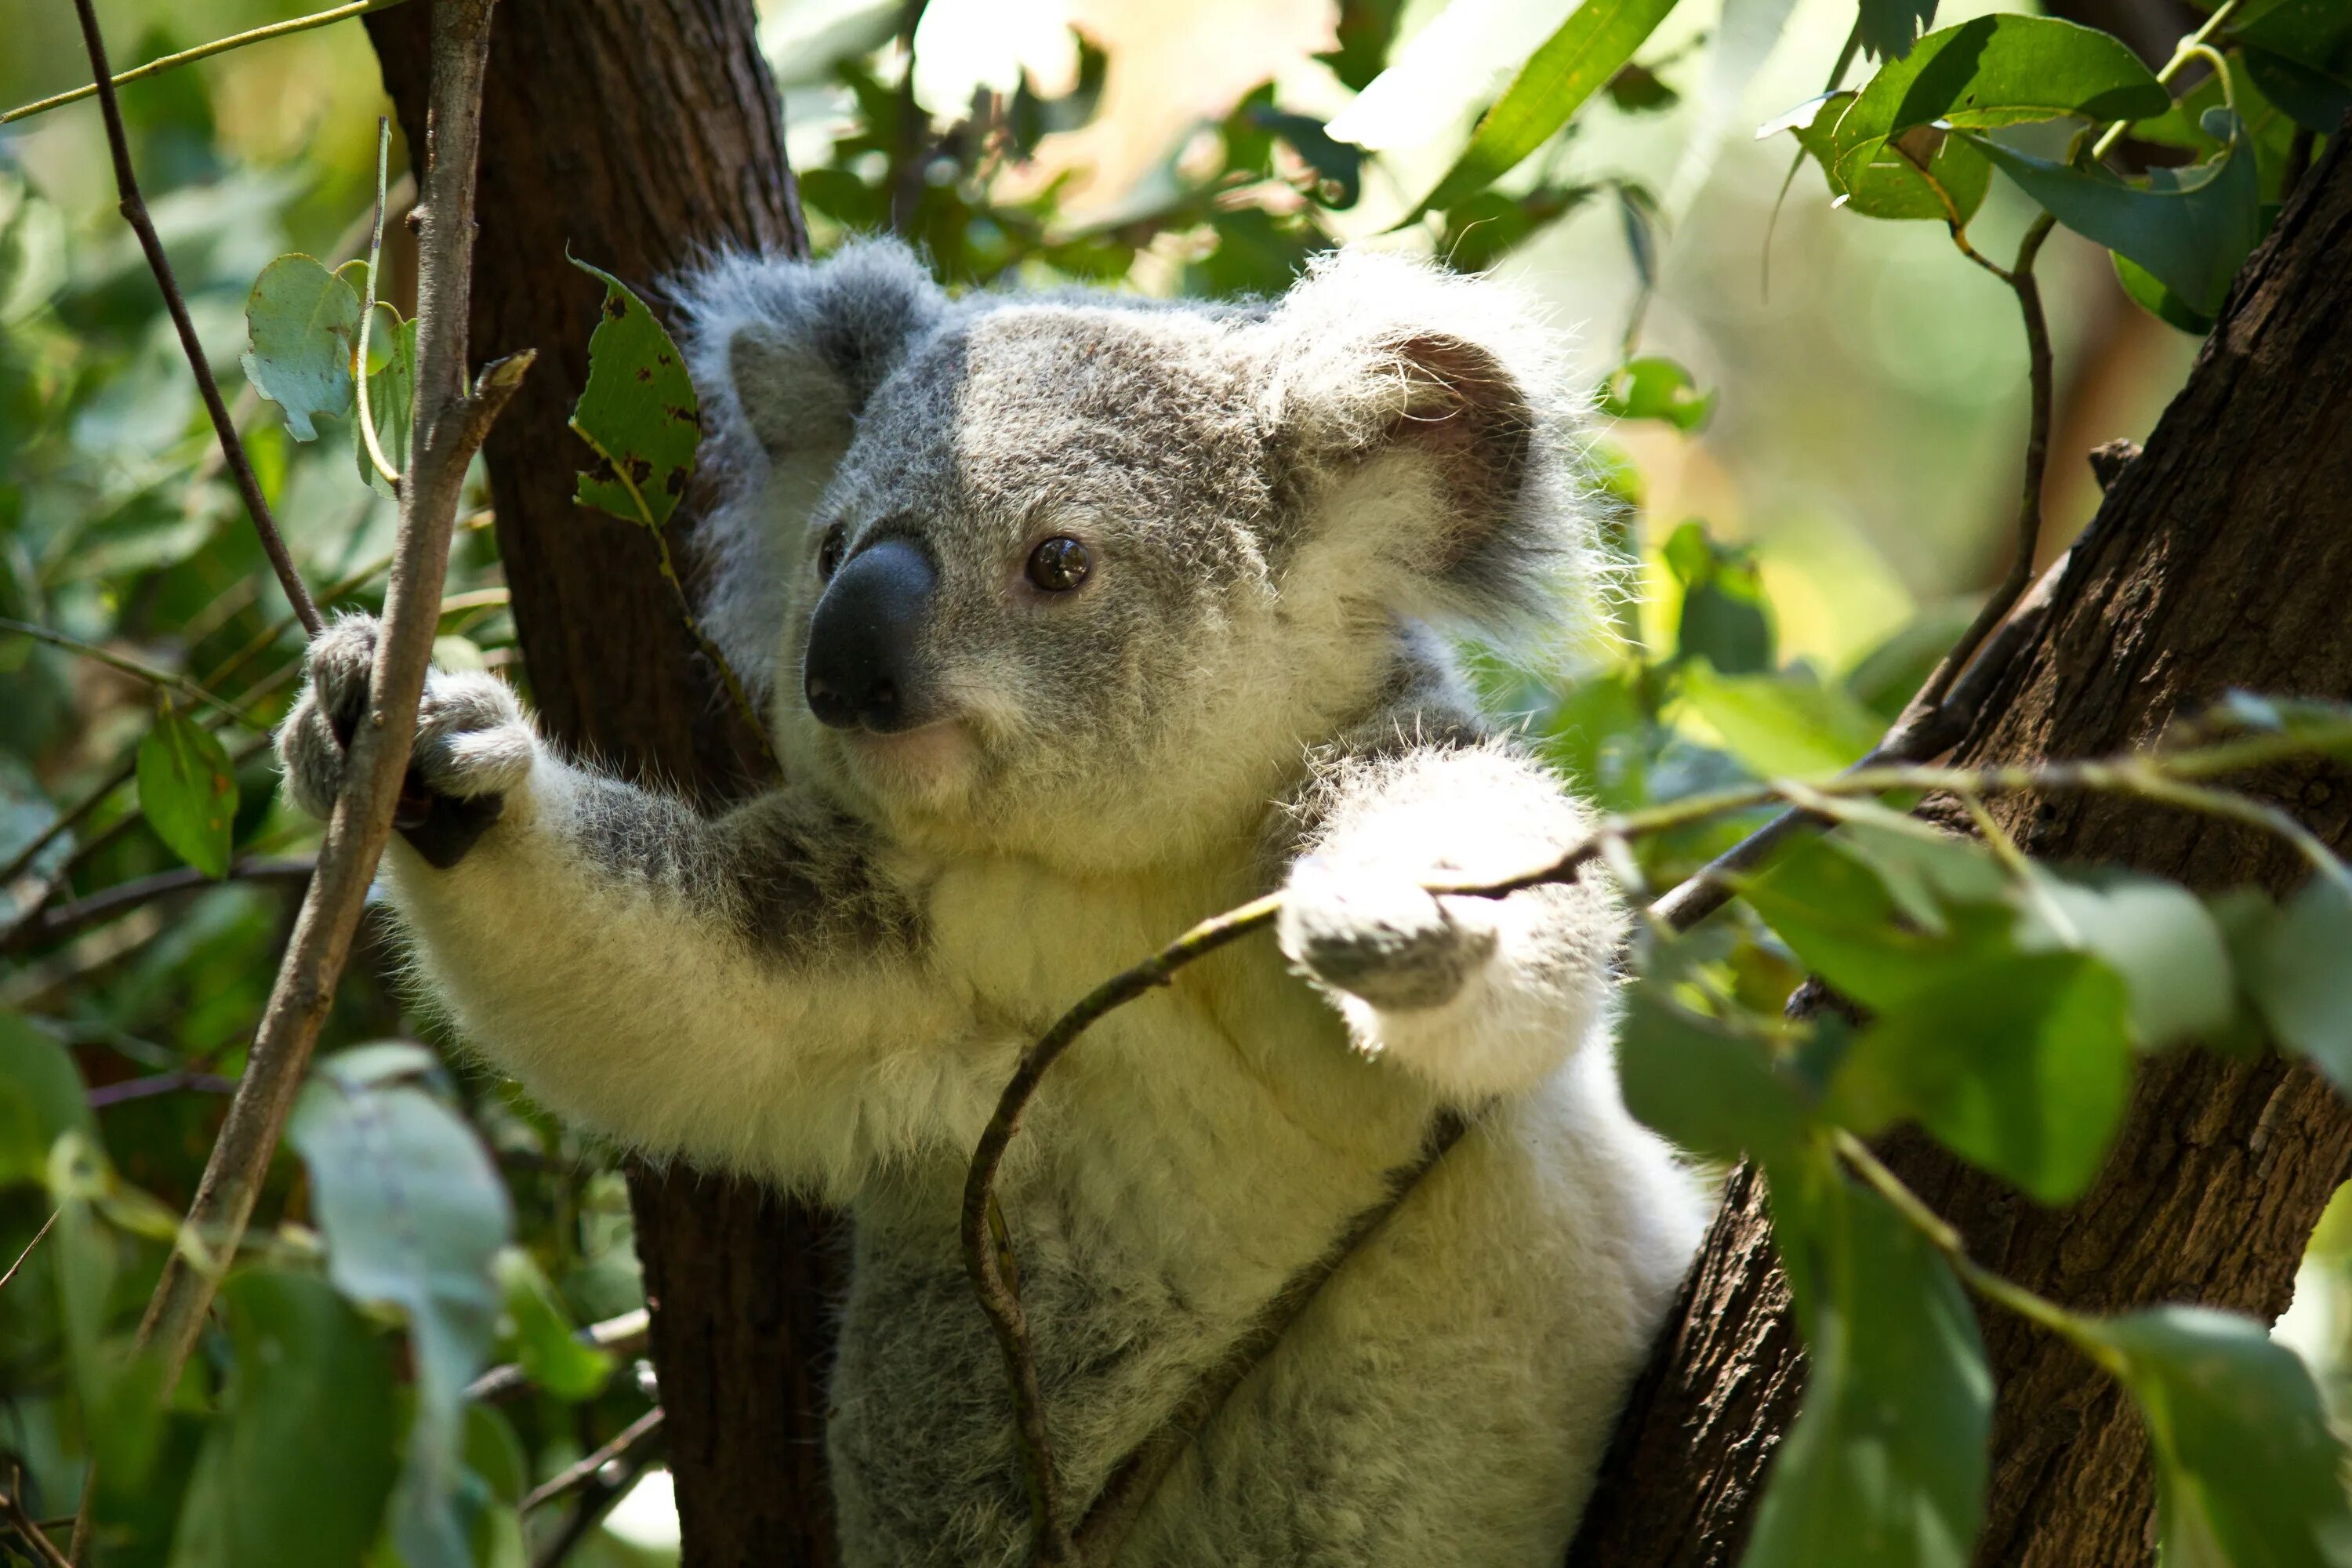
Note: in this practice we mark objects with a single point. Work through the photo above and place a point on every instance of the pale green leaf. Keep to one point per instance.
(302, 321)
(187, 790)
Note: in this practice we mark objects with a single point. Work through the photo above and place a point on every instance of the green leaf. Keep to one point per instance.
(392, 405)
(1655, 387)
(638, 412)
(2248, 1474)
(414, 1214)
(298, 1467)
(1923, 174)
(2142, 289)
(188, 790)
(1889, 28)
(2301, 977)
(552, 1356)
(2316, 98)
(2153, 933)
(1884, 1465)
(1992, 72)
(1575, 62)
(41, 1098)
(1703, 1088)
(2018, 1064)
(2190, 228)
(1785, 725)
(302, 321)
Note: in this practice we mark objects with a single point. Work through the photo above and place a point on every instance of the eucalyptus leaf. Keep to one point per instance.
(2141, 287)
(1702, 1086)
(302, 321)
(2155, 934)
(414, 1214)
(1785, 725)
(187, 789)
(2248, 1473)
(552, 1355)
(638, 412)
(1885, 1464)
(1925, 173)
(2301, 977)
(1654, 387)
(1579, 59)
(392, 405)
(41, 1100)
(1888, 28)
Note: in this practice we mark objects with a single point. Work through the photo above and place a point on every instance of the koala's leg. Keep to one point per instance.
(1479, 996)
(748, 990)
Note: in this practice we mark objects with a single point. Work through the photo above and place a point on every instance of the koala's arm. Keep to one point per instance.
(747, 990)
(1478, 996)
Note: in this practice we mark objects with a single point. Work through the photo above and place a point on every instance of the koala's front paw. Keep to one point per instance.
(1377, 937)
(473, 743)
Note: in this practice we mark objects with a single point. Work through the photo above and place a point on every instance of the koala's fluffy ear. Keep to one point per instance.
(784, 356)
(1374, 356)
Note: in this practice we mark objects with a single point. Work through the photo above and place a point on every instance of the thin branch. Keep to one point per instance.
(588, 1510)
(205, 52)
(448, 425)
(162, 680)
(180, 1080)
(642, 1430)
(134, 211)
(623, 1335)
(30, 1533)
(28, 1248)
(987, 1240)
(66, 919)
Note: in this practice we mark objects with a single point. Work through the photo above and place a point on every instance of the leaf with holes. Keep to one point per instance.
(638, 412)
(300, 321)
(188, 790)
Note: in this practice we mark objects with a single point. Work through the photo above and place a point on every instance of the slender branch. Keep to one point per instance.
(588, 1510)
(205, 52)
(623, 1335)
(64, 919)
(162, 680)
(640, 1431)
(28, 1248)
(134, 211)
(178, 1081)
(30, 1533)
(986, 1238)
(448, 425)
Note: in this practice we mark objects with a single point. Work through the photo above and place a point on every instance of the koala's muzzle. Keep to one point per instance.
(862, 668)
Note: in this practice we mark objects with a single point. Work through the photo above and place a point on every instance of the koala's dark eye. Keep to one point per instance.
(1059, 564)
(828, 553)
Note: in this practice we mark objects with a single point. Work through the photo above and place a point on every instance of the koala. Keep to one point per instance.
(1077, 618)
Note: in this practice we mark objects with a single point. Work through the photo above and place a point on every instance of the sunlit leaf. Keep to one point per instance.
(2190, 228)
(638, 412)
(188, 790)
(1885, 1464)
(392, 403)
(1575, 62)
(2018, 1064)
(552, 1356)
(2301, 978)
(298, 1467)
(2153, 933)
(1655, 387)
(302, 321)
(414, 1214)
(1924, 174)
(1784, 725)
(2248, 1473)
(1993, 71)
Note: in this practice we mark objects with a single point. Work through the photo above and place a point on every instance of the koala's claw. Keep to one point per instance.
(473, 743)
(1377, 937)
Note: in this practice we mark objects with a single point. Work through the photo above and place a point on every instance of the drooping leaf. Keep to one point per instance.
(551, 1355)
(1785, 725)
(1885, 1467)
(638, 412)
(41, 1097)
(297, 1469)
(391, 405)
(1655, 387)
(2301, 977)
(414, 1215)
(188, 790)
(1992, 72)
(1702, 1086)
(302, 321)
(2248, 1473)
(2189, 228)
(2018, 1064)
(1589, 48)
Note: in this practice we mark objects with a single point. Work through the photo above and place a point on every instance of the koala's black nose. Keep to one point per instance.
(861, 665)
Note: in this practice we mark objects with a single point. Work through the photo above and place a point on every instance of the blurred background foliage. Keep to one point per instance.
(1818, 445)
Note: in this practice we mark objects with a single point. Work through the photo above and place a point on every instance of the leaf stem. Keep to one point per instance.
(162, 680)
(367, 310)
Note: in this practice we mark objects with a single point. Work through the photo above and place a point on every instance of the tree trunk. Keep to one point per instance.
(2220, 560)
(636, 134)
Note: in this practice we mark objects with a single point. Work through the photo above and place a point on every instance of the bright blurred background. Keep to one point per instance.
(1868, 382)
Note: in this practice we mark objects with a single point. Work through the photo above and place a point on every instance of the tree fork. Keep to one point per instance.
(640, 134)
(2217, 560)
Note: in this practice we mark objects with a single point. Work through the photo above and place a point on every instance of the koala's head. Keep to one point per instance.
(1083, 575)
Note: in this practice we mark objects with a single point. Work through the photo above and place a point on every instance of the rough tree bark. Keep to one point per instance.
(638, 133)
(2220, 559)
